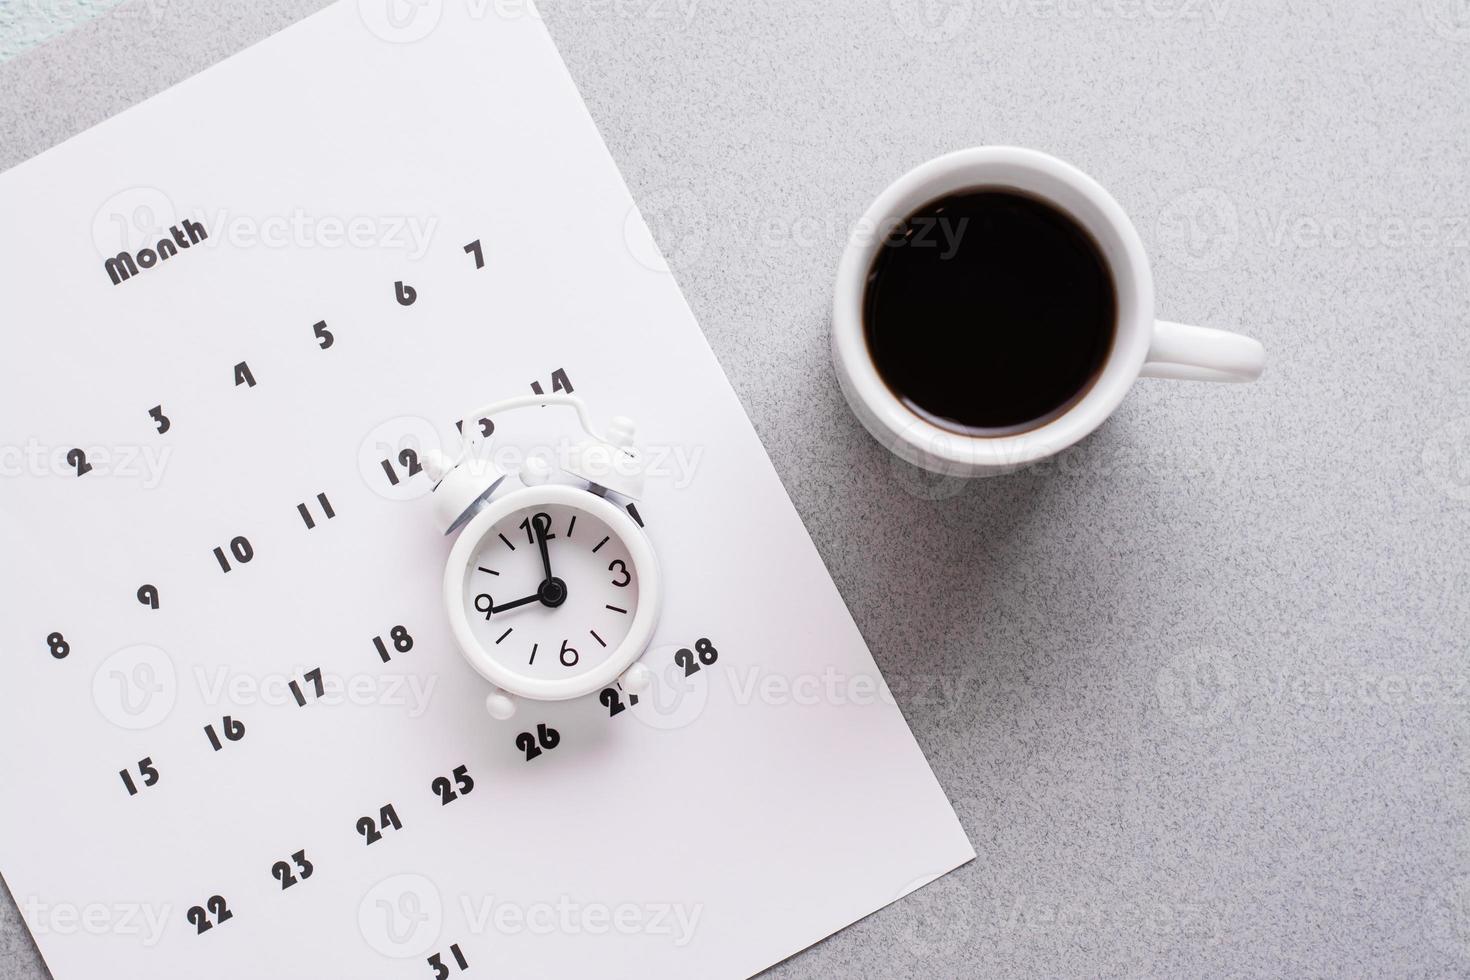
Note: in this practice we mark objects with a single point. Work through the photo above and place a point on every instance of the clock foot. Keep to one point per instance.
(636, 679)
(500, 705)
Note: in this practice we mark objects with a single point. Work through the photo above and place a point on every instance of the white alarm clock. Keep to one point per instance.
(552, 589)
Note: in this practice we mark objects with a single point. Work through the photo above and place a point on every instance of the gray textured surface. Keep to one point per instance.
(1200, 689)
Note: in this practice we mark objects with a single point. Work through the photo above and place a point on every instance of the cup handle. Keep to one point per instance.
(1202, 354)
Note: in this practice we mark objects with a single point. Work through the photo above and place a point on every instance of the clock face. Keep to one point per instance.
(552, 626)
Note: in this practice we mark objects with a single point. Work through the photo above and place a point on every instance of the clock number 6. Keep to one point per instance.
(569, 656)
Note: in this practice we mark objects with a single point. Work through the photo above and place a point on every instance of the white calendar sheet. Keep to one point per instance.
(236, 739)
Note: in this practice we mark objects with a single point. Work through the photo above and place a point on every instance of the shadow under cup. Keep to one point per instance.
(989, 311)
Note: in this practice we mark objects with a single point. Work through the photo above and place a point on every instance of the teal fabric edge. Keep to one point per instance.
(24, 24)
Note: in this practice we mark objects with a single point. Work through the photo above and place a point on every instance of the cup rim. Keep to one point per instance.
(917, 438)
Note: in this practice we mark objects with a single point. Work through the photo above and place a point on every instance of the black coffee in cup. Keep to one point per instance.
(989, 312)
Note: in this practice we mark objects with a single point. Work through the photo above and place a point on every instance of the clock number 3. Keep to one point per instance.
(620, 567)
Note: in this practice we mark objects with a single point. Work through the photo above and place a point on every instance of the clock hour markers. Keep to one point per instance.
(541, 607)
(633, 513)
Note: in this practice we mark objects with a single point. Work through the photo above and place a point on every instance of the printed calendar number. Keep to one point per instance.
(372, 830)
(473, 248)
(448, 791)
(612, 700)
(240, 548)
(148, 596)
(312, 677)
(283, 872)
(401, 639)
(324, 337)
(146, 770)
(704, 653)
(159, 419)
(243, 375)
(408, 462)
(78, 461)
(559, 383)
(56, 643)
(232, 728)
(544, 740)
(200, 915)
(406, 295)
(326, 508)
(441, 969)
(487, 427)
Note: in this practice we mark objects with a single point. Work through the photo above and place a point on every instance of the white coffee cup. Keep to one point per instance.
(1142, 348)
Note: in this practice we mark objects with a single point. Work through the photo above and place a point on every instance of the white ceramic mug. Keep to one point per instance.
(1142, 347)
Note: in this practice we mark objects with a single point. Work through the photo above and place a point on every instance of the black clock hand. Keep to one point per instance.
(519, 602)
(541, 541)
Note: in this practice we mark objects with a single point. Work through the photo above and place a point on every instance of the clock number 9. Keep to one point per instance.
(484, 604)
(621, 567)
